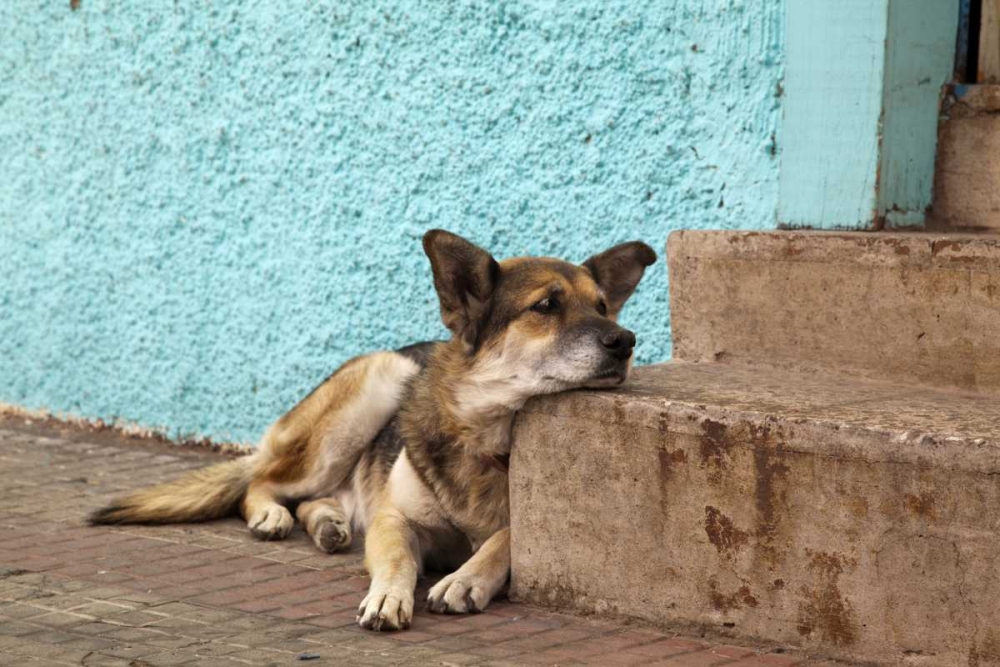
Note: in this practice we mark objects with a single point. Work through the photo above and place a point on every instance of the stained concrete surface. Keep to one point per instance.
(968, 158)
(852, 517)
(922, 308)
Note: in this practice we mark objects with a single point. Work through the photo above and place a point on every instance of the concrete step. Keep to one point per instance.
(968, 158)
(899, 307)
(855, 519)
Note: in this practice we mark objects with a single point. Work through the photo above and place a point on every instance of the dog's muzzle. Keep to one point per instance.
(618, 342)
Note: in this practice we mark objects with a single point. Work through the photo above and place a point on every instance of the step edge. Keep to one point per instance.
(916, 249)
(816, 436)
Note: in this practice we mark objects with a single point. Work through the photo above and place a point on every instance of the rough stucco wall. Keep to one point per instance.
(205, 208)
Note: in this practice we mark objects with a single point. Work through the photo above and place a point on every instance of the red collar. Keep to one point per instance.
(499, 461)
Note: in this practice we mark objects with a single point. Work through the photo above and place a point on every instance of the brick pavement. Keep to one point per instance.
(210, 594)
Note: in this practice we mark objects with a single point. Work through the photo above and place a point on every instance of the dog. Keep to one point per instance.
(411, 446)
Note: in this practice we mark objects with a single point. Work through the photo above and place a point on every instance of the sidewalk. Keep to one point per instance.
(210, 594)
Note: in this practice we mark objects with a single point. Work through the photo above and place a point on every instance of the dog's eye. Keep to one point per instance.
(602, 308)
(546, 306)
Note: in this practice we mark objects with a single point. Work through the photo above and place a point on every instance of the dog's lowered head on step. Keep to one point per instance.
(410, 446)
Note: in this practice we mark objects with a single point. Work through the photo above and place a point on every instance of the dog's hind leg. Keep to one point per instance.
(326, 522)
(266, 517)
(312, 450)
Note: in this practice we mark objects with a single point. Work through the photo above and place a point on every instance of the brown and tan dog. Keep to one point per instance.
(410, 446)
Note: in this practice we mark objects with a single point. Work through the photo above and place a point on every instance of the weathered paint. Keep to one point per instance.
(863, 86)
(920, 59)
(204, 208)
(833, 102)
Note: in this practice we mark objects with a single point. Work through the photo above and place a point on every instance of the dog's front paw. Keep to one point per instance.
(273, 522)
(386, 608)
(460, 594)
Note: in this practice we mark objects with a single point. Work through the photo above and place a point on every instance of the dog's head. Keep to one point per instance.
(537, 325)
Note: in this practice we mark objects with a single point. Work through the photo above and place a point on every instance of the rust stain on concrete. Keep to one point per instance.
(790, 249)
(941, 245)
(727, 538)
(669, 460)
(858, 506)
(985, 652)
(663, 423)
(900, 246)
(714, 446)
(729, 601)
(823, 610)
(955, 250)
(769, 490)
(921, 505)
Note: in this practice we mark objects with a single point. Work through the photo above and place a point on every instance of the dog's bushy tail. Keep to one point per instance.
(202, 495)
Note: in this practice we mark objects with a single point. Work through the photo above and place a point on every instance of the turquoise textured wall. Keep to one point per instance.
(206, 206)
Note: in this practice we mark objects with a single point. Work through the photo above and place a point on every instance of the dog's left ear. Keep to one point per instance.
(617, 271)
(464, 277)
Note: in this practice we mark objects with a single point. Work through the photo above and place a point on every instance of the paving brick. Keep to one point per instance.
(47, 636)
(132, 651)
(101, 609)
(47, 652)
(730, 651)
(23, 611)
(769, 660)
(206, 661)
(169, 658)
(668, 647)
(103, 660)
(217, 649)
(457, 659)
(618, 660)
(86, 644)
(60, 619)
(547, 639)
(705, 658)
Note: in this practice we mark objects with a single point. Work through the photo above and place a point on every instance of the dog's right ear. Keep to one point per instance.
(465, 276)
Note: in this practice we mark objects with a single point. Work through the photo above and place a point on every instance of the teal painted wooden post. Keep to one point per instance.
(862, 86)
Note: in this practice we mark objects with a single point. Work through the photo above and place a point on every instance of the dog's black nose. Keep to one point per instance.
(619, 342)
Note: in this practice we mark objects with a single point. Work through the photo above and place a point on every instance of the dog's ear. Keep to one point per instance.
(464, 277)
(617, 271)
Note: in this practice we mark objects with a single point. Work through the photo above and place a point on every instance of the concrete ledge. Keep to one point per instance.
(897, 307)
(853, 518)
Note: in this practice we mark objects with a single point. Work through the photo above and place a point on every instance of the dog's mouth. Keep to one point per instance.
(606, 377)
(618, 373)
(606, 372)
(609, 376)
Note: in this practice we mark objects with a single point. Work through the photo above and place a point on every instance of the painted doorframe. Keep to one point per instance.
(863, 82)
